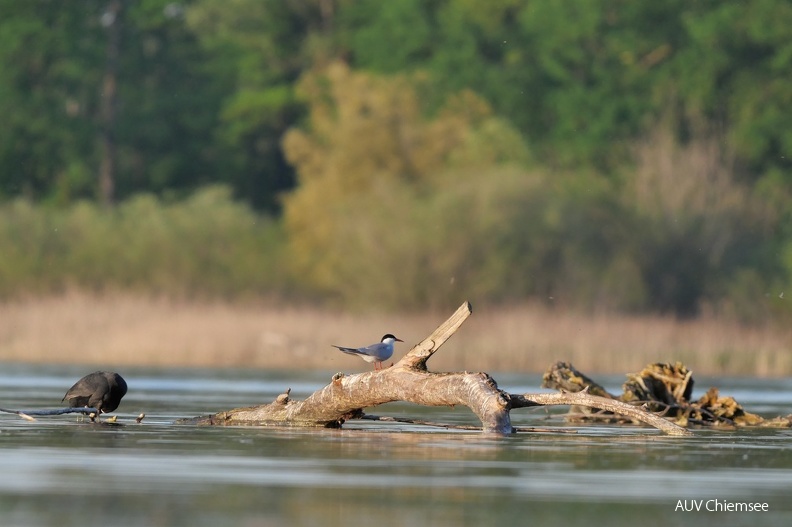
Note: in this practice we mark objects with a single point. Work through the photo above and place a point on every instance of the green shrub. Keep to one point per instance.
(206, 244)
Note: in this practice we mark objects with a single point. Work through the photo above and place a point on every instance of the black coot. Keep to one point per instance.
(102, 390)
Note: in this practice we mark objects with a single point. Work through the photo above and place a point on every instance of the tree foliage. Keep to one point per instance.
(53, 61)
(368, 161)
(394, 208)
(622, 154)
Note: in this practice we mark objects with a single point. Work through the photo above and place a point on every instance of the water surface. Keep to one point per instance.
(62, 471)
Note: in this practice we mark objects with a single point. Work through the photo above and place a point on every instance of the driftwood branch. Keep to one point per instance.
(90, 412)
(601, 403)
(409, 380)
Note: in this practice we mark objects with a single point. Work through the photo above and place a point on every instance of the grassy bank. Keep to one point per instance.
(117, 330)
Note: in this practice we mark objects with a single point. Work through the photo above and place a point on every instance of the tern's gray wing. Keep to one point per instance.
(381, 351)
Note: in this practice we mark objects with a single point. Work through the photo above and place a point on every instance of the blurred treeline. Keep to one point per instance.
(602, 154)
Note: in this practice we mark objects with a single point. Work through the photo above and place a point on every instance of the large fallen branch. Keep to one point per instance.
(409, 380)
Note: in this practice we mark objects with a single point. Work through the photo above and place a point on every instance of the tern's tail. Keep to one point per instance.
(350, 351)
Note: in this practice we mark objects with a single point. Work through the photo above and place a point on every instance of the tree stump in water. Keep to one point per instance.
(666, 390)
(409, 380)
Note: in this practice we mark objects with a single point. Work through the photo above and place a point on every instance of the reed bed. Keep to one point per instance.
(116, 330)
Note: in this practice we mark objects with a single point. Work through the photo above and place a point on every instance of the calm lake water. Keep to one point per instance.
(61, 472)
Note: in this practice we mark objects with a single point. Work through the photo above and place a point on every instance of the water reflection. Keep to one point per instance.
(58, 471)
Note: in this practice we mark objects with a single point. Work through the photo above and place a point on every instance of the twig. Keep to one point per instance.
(59, 411)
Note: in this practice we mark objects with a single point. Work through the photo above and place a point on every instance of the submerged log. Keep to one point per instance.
(409, 380)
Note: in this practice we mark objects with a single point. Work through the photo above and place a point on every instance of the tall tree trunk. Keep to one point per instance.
(111, 19)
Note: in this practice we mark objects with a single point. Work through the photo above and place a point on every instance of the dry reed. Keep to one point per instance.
(115, 330)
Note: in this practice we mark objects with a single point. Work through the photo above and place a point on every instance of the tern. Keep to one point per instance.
(102, 390)
(375, 353)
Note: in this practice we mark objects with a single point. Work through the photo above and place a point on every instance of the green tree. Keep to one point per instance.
(53, 59)
(50, 63)
(261, 48)
(583, 80)
(169, 105)
(573, 77)
(734, 76)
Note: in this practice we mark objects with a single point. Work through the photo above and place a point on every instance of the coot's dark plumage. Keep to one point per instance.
(102, 390)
